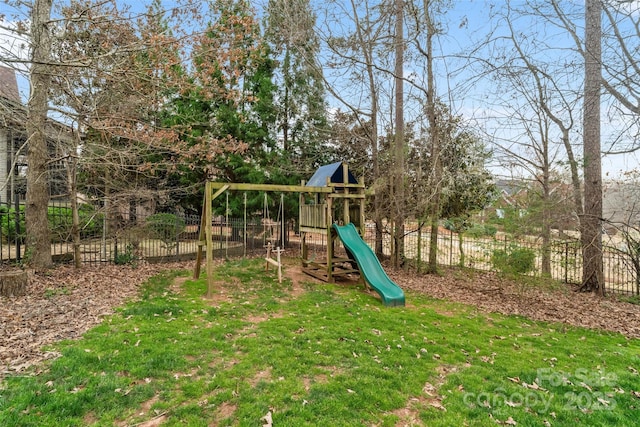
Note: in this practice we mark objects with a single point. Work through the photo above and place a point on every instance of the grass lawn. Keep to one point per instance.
(312, 354)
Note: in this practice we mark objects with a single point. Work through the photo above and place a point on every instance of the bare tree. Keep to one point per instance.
(621, 39)
(436, 140)
(38, 240)
(536, 98)
(399, 143)
(357, 54)
(591, 225)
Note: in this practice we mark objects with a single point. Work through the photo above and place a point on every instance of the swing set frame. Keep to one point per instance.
(315, 217)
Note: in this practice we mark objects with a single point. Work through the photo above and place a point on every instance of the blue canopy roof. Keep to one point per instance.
(334, 172)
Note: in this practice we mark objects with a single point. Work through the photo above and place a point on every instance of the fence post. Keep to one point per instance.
(244, 251)
(175, 227)
(451, 246)
(9, 243)
(566, 262)
(17, 228)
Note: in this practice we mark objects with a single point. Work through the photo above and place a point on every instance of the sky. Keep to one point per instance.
(476, 101)
(466, 22)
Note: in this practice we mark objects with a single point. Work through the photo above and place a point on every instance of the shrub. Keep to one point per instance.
(516, 261)
(8, 224)
(60, 221)
(91, 222)
(481, 230)
(128, 257)
(490, 230)
(475, 231)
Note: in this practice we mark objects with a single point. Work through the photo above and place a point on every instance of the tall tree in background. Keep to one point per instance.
(226, 114)
(536, 95)
(111, 73)
(38, 238)
(621, 38)
(467, 185)
(591, 225)
(435, 141)
(356, 54)
(398, 194)
(300, 99)
(611, 65)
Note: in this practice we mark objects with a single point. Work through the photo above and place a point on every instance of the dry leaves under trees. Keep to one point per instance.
(64, 303)
(491, 292)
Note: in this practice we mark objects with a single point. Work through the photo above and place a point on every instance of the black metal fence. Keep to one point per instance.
(11, 232)
(173, 236)
(167, 236)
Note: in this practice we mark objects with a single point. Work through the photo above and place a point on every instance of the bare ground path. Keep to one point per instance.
(64, 303)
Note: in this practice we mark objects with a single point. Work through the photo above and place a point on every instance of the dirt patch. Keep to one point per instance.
(225, 410)
(178, 282)
(220, 294)
(410, 414)
(146, 406)
(154, 422)
(264, 375)
(298, 277)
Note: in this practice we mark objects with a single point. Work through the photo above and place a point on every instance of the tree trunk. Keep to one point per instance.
(434, 134)
(591, 227)
(546, 202)
(37, 203)
(546, 245)
(13, 283)
(398, 194)
(461, 249)
(575, 176)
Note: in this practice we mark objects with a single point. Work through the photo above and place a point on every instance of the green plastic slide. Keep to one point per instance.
(369, 266)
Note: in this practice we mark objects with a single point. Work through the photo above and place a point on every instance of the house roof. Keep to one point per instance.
(330, 173)
(9, 85)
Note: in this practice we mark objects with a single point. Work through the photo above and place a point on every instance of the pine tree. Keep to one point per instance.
(300, 99)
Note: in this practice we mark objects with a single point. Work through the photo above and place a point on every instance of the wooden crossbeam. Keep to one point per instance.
(271, 187)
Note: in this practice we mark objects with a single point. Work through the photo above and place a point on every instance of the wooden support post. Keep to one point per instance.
(278, 252)
(330, 247)
(345, 181)
(303, 248)
(209, 236)
(363, 228)
(201, 241)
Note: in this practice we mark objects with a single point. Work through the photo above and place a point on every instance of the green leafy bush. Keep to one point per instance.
(481, 230)
(516, 261)
(8, 224)
(91, 221)
(60, 220)
(490, 230)
(128, 257)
